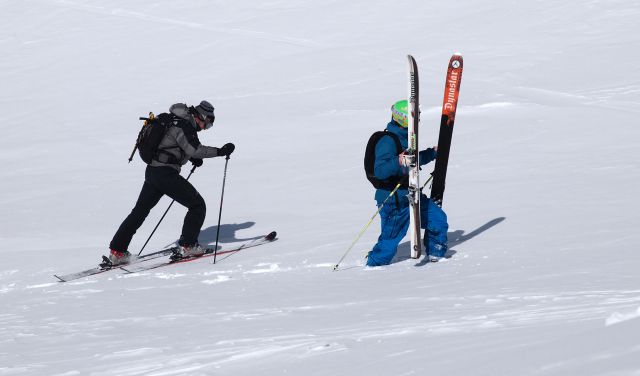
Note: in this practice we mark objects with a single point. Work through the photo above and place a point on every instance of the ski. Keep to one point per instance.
(210, 252)
(449, 105)
(414, 170)
(103, 267)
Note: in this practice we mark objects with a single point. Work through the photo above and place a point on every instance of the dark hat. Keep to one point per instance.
(205, 108)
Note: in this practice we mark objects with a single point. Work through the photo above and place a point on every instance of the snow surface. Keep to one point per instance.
(541, 194)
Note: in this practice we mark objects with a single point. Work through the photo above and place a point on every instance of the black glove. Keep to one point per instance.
(226, 149)
(196, 161)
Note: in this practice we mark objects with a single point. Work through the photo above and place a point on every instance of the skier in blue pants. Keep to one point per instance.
(385, 169)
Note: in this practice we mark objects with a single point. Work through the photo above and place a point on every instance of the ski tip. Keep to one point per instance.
(271, 236)
(59, 279)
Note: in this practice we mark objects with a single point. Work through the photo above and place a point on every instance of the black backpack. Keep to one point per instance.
(151, 134)
(370, 158)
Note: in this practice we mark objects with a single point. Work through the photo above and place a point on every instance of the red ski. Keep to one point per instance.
(449, 106)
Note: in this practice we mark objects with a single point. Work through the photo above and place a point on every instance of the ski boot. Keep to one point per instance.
(115, 258)
(187, 251)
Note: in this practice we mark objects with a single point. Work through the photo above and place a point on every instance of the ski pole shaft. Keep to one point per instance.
(224, 179)
(427, 182)
(165, 213)
(366, 227)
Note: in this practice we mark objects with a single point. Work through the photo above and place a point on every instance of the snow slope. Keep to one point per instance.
(543, 278)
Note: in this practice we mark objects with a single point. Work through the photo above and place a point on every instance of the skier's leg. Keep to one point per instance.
(178, 188)
(148, 198)
(394, 225)
(434, 221)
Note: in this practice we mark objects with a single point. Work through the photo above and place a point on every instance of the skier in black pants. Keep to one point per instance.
(179, 145)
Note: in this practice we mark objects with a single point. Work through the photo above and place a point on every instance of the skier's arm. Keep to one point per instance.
(427, 155)
(192, 146)
(206, 152)
(386, 163)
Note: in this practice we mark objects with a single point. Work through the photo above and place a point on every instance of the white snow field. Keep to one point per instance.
(541, 192)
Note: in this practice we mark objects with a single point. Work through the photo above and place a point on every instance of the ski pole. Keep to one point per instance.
(366, 227)
(427, 182)
(224, 179)
(165, 213)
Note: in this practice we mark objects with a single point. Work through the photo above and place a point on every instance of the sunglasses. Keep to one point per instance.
(208, 120)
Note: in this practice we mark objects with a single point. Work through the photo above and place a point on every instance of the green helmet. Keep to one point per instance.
(399, 113)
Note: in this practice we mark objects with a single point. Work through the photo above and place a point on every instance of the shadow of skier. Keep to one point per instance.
(458, 237)
(227, 233)
(455, 238)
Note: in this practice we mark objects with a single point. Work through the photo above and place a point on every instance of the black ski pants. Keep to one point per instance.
(160, 181)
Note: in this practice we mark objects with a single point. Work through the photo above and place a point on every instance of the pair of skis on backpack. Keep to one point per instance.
(135, 265)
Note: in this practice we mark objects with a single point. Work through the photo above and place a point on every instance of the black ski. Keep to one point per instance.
(449, 105)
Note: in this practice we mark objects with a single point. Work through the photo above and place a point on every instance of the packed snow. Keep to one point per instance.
(541, 191)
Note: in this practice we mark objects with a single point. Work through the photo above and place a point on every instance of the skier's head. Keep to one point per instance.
(399, 113)
(204, 115)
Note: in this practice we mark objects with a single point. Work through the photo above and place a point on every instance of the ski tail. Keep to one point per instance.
(106, 265)
(449, 106)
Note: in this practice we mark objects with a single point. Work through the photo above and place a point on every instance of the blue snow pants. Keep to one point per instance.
(395, 223)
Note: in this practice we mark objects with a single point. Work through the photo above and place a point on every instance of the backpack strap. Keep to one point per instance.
(162, 155)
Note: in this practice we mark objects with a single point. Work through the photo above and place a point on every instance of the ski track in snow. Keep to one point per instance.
(490, 310)
(120, 12)
(618, 317)
(502, 312)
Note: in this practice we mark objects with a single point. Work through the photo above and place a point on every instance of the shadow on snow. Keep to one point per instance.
(227, 233)
(455, 238)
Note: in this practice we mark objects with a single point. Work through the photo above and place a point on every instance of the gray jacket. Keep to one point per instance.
(181, 142)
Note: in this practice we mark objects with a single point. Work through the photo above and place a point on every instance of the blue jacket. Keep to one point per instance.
(386, 163)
